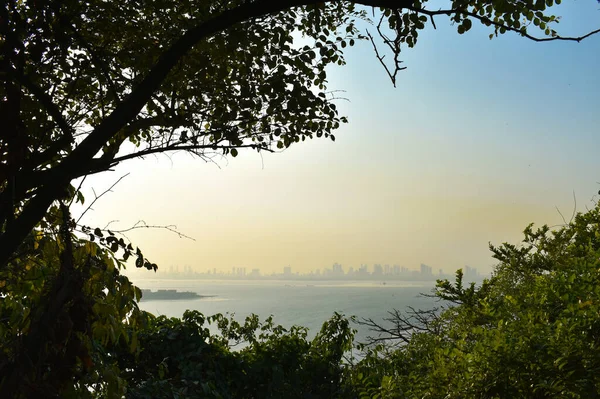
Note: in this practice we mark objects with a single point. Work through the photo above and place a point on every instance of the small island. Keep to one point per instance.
(170, 295)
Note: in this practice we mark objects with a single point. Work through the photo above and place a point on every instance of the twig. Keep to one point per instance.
(403, 325)
(380, 58)
(78, 190)
(432, 22)
(561, 215)
(97, 197)
(140, 224)
(188, 148)
(487, 20)
(574, 207)
(109, 223)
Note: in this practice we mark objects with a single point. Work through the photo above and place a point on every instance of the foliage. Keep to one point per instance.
(180, 358)
(63, 301)
(530, 331)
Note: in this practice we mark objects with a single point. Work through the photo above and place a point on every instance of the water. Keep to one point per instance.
(306, 304)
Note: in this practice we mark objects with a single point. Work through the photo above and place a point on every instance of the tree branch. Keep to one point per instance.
(100, 64)
(486, 20)
(190, 147)
(97, 197)
(403, 325)
(47, 103)
(140, 224)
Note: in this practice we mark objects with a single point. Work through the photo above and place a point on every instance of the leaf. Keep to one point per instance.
(80, 198)
(467, 24)
(134, 343)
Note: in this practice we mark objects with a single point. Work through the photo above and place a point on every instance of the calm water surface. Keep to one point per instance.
(307, 304)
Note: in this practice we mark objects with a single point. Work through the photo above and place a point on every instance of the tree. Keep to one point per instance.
(182, 359)
(62, 305)
(88, 85)
(529, 331)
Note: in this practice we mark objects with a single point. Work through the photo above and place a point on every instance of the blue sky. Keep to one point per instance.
(508, 108)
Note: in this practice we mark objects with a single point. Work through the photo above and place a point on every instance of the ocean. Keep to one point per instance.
(306, 304)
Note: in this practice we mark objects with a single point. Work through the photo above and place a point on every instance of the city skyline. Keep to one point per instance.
(336, 272)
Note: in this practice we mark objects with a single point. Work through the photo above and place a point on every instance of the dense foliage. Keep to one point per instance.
(532, 330)
(182, 359)
(60, 308)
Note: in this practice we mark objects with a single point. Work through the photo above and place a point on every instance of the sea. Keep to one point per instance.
(293, 302)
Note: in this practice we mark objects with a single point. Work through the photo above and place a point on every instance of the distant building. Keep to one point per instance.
(377, 270)
(426, 270)
(287, 271)
(363, 270)
(470, 273)
(240, 272)
(337, 270)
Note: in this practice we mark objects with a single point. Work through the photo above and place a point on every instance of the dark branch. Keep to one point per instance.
(47, 103)
(140, 224)
(191, 147)
(97, 197)
(401, 325)
(486, 20)
(100, 64)
(380, 58)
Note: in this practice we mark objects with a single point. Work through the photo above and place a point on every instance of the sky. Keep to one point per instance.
(479, 138)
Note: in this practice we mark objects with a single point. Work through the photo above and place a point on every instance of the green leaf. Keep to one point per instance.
(467, 24)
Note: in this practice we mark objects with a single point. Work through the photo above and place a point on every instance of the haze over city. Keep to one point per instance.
(429, 172)
(376, 272)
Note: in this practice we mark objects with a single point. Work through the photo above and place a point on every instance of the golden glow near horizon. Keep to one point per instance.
(479, 139)
(309, 216)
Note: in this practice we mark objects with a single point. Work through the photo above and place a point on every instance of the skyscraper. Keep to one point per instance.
(425, 270)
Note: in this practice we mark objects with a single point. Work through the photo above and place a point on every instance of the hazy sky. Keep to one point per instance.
(479, 138)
